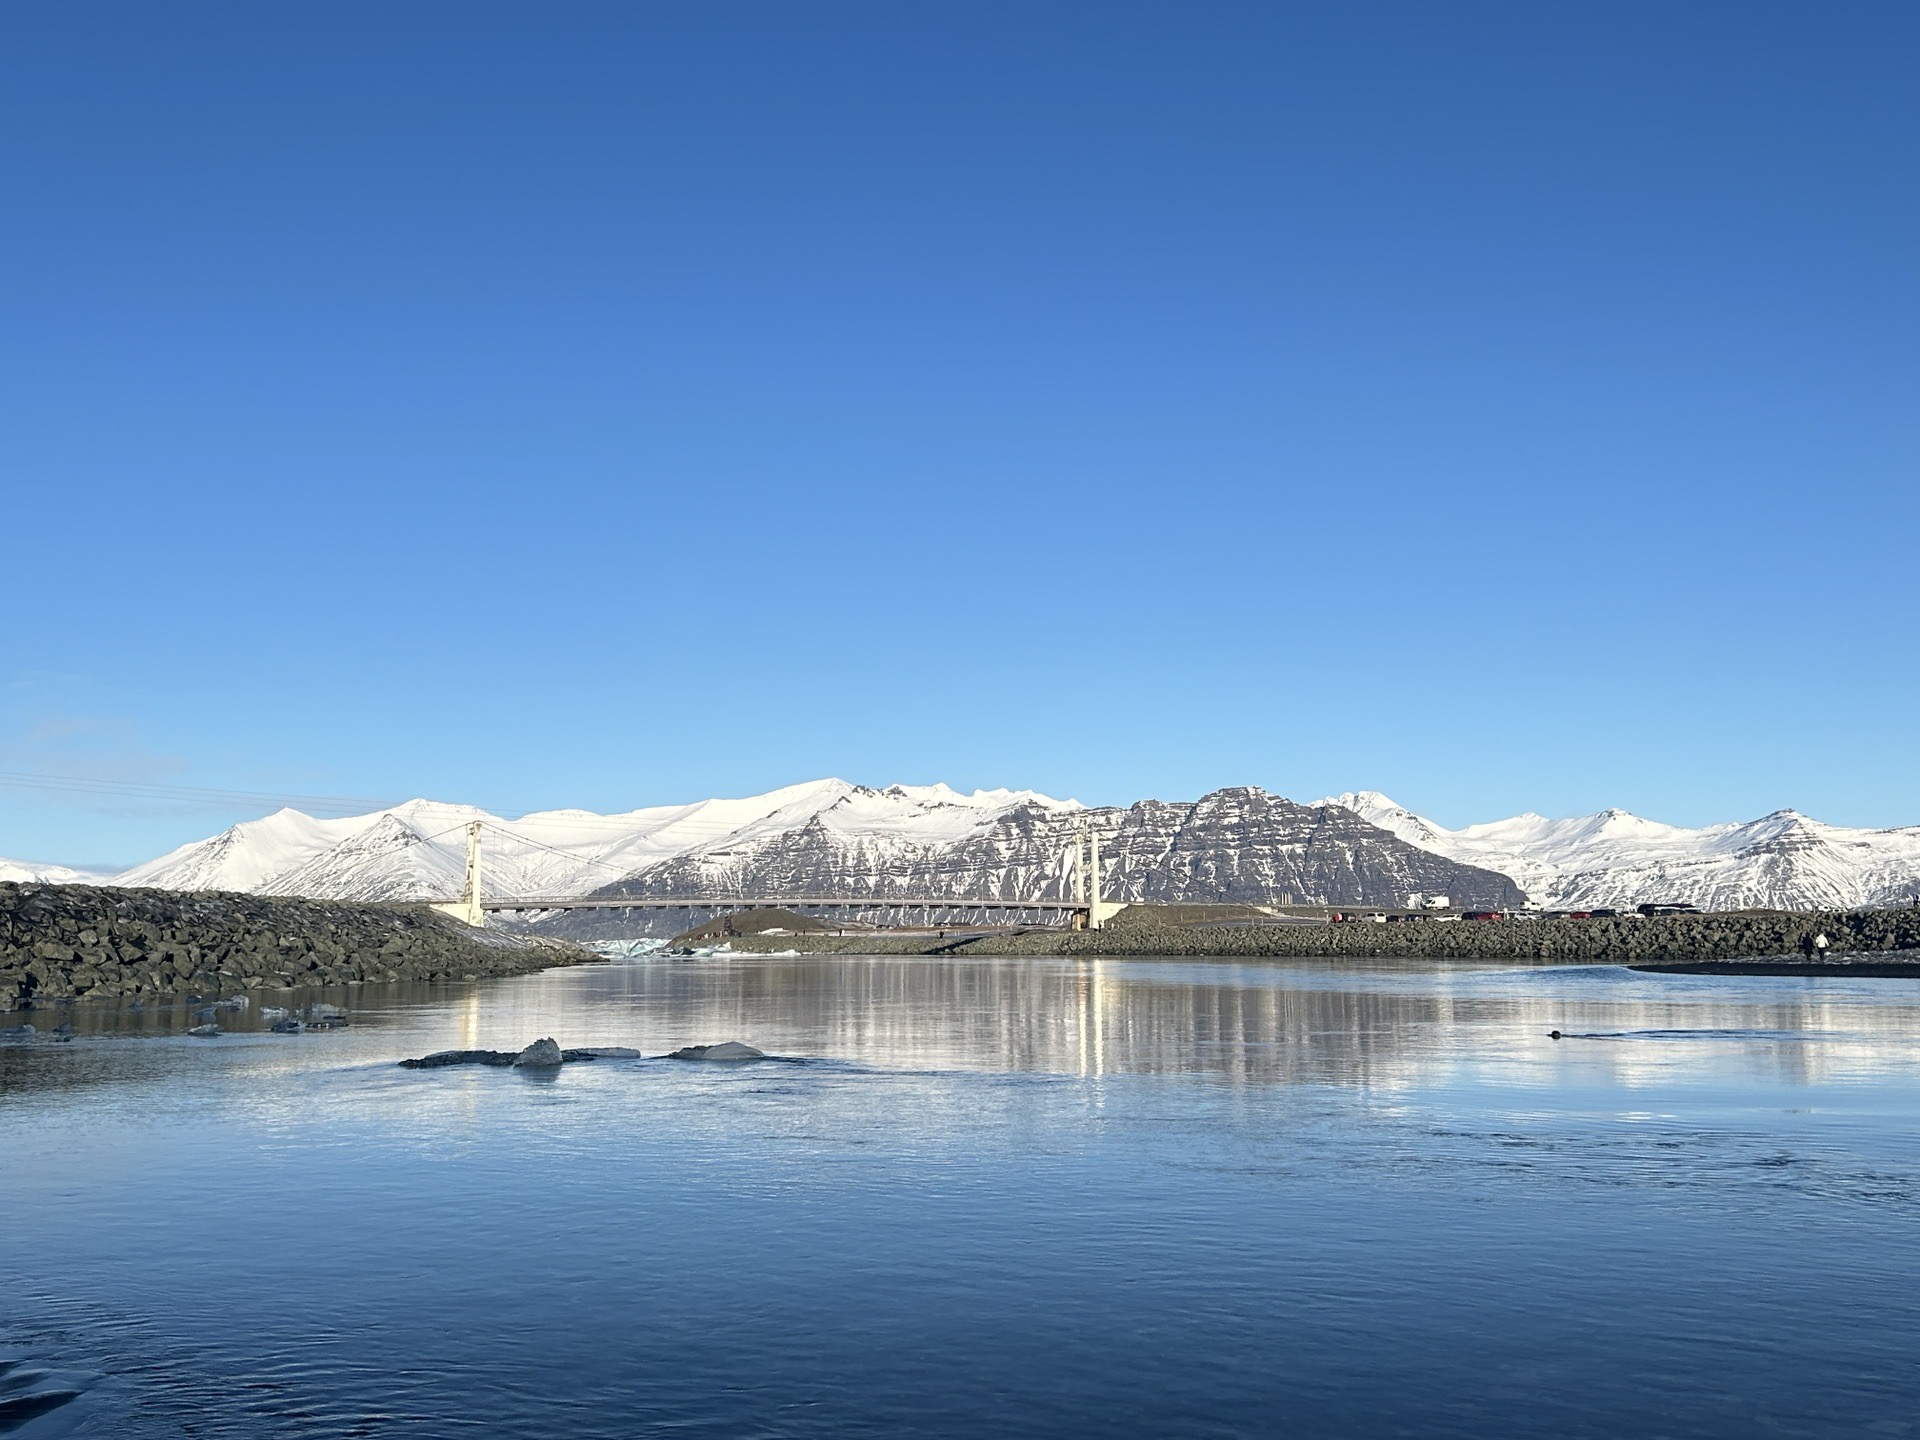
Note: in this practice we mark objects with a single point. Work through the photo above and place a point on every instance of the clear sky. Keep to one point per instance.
(1503, 406)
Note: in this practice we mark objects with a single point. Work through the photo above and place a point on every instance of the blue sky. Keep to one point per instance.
(1504, 406)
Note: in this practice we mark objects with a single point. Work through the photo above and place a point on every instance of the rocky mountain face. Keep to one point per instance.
(1239, 845)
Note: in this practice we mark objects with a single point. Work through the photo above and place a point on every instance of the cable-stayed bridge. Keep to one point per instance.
(1086, 910)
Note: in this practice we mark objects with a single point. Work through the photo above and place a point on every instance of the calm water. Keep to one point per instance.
(985, 1198)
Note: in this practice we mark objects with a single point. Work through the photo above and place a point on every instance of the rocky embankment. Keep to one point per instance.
(62, 942)
(1620, 941)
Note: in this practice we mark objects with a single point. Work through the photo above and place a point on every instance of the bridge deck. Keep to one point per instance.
(779, 902)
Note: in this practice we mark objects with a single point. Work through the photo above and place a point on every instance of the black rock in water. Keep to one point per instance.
(440, 1059)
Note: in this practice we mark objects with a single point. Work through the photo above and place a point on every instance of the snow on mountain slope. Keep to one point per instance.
(244, 856)
(418, 850)
(1240, 845)
(28, 872)
(1784, 860)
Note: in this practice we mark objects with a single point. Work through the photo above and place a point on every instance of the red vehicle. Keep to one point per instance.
(1484, 915)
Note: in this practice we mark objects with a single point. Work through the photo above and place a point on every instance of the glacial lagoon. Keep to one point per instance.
(981, 1198)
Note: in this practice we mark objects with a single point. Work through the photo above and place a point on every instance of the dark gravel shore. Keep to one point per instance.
(1772, 936)
(65, 942)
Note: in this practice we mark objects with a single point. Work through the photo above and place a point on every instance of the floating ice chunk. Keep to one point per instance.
(728, 1050)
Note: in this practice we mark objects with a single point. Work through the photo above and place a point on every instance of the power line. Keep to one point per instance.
(335, 806)
(519, 839)
(319, 806)
(186, 794)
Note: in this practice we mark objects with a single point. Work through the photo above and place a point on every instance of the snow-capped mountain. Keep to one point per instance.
(28, 872)
(1784, 860)
(418, 850)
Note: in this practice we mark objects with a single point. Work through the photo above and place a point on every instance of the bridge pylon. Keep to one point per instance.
(1086, 882)
(467, 908)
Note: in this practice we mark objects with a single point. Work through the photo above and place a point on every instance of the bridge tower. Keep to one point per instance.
(467, 909)
(1086, 880)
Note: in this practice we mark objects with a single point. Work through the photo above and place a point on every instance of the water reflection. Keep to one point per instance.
(1321, 1023)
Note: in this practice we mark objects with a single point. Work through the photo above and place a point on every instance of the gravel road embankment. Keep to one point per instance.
(1623, 940)
(92, 942)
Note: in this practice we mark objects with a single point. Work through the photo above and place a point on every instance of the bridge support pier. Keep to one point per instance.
(1086, 883)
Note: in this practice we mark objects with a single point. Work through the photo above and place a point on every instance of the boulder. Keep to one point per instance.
(540, 1055)
(728, 1050)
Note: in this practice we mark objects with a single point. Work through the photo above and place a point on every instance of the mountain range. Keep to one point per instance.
(1785, 860)
(1240, 844)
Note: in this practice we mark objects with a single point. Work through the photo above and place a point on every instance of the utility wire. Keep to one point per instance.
(318, 806)
(519, 839)
(193, 794)
(328, 806)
